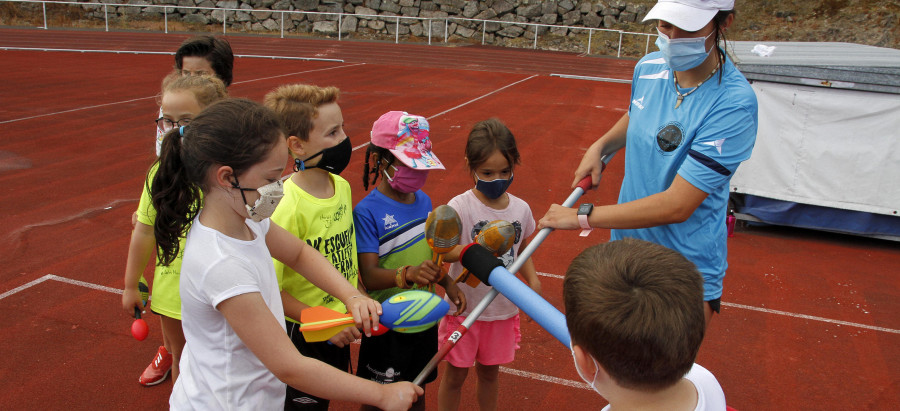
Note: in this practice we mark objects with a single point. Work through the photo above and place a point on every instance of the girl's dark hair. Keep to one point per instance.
(377, 154)
(487, 136)
(232, 132)
(718, 21)
(214, 49)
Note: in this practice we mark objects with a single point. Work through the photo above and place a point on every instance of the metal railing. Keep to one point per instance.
(339, 17)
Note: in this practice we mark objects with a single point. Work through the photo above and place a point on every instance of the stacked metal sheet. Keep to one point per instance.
(834, 65)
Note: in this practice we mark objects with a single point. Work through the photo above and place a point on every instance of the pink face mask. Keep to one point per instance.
(407, 180)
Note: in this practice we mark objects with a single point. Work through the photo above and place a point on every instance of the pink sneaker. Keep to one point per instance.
(158, 370)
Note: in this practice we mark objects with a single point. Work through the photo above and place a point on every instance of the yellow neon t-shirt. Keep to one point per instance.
(326, 224)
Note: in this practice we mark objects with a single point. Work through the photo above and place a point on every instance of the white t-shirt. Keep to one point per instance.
(219, 372)
(710, 396)
(474, 215)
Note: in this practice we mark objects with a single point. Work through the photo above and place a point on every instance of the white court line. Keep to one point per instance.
(463, 104)
(74, 109)
(551, 275)
(87, 51)
(166, 53)
(25, 286)
(784, 313)
(299, 72)
(810, 317)
(592, 78)
(92, 286)
(66, 219)
(545, 378)
(481, 97)
(145, 98)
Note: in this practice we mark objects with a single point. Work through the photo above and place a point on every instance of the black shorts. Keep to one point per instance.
(323, 351)
(716, 304)
(394, 356)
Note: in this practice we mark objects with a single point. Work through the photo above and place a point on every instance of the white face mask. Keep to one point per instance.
(159, 138)
(269, 197)
(581, 374)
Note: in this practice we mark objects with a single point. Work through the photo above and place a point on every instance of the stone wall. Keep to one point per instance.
(264, 15)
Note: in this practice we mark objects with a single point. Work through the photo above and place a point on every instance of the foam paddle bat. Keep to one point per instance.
(498, 237)
(407, 312)
(442, 229)
(321, 323)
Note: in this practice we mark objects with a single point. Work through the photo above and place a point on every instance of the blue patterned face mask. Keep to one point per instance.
(494, 188)
(683, 54)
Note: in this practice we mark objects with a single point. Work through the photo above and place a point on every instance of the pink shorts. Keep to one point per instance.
(488, 342)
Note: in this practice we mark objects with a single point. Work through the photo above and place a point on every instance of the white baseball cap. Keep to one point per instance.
(688, 15)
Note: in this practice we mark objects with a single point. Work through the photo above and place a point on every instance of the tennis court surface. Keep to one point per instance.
(809, 321)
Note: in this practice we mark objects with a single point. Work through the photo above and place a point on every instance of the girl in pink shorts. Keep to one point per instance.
(491, 155)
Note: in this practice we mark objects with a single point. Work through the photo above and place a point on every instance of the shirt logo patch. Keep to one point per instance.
(389, 222)
(669, 138)
(717, 144)
(639, 103)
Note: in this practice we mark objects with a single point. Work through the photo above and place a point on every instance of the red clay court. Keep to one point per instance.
(809, 321)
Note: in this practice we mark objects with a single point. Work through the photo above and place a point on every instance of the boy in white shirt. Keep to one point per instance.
(635, 314)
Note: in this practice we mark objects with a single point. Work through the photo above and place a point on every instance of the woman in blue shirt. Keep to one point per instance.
(691, 121)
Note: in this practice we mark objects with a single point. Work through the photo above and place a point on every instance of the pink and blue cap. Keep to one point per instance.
(407, 136)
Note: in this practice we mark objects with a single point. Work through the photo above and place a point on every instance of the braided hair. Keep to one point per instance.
(378, 155)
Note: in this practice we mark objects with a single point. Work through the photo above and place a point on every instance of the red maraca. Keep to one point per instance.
(139, 329)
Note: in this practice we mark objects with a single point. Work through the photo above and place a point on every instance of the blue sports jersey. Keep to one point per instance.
(394, 230)
(704, 140)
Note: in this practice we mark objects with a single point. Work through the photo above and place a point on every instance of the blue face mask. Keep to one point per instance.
(494, 188)
(683, 54)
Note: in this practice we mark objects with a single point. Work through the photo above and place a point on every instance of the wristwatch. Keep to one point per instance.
(584, 211)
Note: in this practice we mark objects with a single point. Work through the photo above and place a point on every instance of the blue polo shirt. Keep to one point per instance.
(704, 140)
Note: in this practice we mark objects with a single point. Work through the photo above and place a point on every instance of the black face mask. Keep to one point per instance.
(334, 159)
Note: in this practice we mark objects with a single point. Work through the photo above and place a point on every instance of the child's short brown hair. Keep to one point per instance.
(297, 105)
(215, 50)
(637, 308)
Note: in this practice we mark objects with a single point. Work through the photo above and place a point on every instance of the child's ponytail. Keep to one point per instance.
(233, 132)
(175, 198)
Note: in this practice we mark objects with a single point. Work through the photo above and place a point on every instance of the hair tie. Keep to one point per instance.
(181, 131)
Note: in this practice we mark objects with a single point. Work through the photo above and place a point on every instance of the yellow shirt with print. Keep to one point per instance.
(326, 224)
